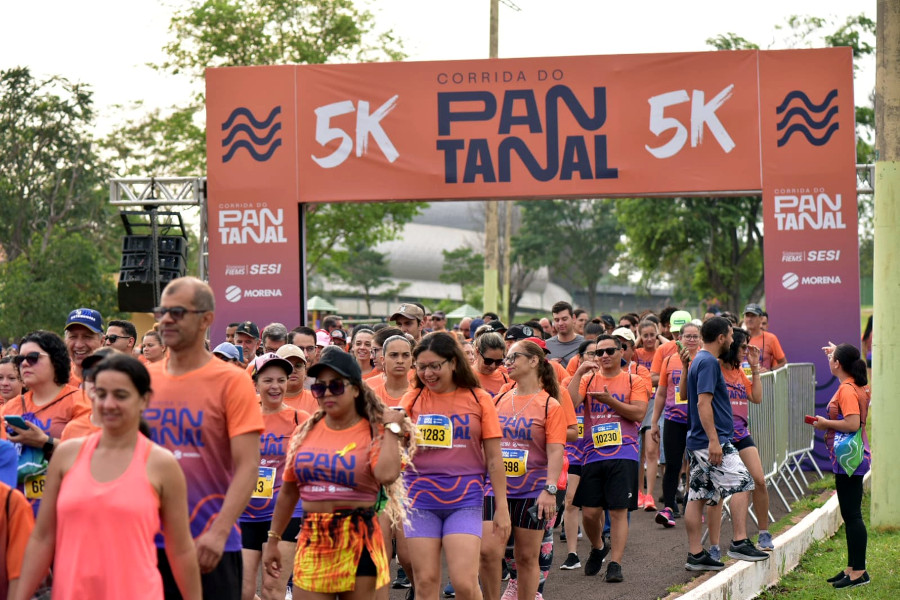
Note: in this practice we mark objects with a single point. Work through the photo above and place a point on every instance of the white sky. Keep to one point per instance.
(107, 43)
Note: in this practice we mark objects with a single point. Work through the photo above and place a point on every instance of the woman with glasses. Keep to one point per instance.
(270, 373)
(48, 405)
(114, 488)
(490, 350)
(152, 347)
(10, 383)
(534, 432)
(671, 399)
(458, 437)
(337, 463)
(361, 349)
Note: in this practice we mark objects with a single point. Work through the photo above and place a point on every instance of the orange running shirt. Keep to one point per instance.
(449, 463)
(335, 465)
(16, 523)
(195, 415)
(667, 349)
(769, 348)
(379, 387)
(493, 382)
(608, 435)
(644, 357)
(273, 449)
(676, 403)
(528, 425)
(303, 402)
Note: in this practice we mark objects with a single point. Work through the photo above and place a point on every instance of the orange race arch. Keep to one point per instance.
(776, 123)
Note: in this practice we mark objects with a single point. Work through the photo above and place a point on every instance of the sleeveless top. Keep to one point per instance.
(105, 531)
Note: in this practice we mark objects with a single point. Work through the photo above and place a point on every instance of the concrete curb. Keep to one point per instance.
(746, 580)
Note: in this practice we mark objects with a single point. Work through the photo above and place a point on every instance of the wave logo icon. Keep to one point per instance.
(824, 127)
(259, 136)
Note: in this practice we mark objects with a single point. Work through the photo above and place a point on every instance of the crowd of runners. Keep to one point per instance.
(300, 462)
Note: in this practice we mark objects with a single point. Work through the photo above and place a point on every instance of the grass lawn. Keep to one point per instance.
(825, 558)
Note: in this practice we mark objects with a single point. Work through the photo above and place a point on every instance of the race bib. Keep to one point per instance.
(607, 434)
(265, 483)
(580, 420)
(434, 431)
(678, 398)
(34, 486)
(515, 462)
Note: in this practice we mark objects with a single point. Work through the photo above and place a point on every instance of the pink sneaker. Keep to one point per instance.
(642, 501)
(649, 504)
(512, 591)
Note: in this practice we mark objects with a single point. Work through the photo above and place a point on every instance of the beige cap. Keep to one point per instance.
(289, 350)
(625, 333)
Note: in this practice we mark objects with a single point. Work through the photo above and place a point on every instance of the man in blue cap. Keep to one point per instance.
(83, 335)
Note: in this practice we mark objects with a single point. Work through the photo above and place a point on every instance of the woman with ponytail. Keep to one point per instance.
(534, 433)
(337, 462)
(846, 416)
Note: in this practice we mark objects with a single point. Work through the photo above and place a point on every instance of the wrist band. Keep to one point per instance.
(272, 534)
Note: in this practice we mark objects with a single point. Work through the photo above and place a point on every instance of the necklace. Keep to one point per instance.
(516, 413)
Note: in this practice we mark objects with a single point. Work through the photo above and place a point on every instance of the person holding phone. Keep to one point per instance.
(45, 409)
(615, 404)
(534, 432)
(847, 412)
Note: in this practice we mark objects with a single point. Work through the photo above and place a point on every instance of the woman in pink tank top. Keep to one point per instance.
(105, 498)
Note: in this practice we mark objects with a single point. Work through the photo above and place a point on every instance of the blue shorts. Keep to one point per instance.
(425, 523)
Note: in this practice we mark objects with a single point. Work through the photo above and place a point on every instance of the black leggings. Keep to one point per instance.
(674, 441)
(850, 493)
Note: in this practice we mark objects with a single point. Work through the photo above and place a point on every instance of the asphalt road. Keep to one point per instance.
(653, 563)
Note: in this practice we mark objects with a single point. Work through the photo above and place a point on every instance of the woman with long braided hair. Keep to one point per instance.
(337, 462)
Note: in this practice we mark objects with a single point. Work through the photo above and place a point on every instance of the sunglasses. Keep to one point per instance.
(113, 338)
(31, 358)
(335, 386)
(606, 351)
(490, 362)
(176, 312)
(511, 357)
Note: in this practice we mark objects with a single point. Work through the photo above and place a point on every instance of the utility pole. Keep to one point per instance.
(491, 215)
(886, 323)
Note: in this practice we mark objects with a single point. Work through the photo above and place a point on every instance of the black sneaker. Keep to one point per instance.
(836, 578)
(411, 593)
(846, 582)
(745, 550)
(572, 562)
(614, 573)
(402, 581)
(595, 561)
(704, 562)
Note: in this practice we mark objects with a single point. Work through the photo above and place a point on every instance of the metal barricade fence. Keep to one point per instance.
(802, 402)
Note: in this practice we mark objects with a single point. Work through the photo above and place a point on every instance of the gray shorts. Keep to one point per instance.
(715, 482)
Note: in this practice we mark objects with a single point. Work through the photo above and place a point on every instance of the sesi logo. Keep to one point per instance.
(823, 255)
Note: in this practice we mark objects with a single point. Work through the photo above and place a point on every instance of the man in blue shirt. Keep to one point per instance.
(716, 468)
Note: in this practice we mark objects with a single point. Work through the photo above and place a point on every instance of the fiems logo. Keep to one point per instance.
(825, 126)
(247, 132)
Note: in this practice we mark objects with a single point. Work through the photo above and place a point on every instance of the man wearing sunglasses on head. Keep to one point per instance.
(120, 335)
(83, 335)
(205, 411)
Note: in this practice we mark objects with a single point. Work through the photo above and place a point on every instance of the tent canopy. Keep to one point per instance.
(463, 311)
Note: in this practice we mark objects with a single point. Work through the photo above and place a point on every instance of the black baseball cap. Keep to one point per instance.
(519, 332)
(339, 361)
(495, 326)
(248, 328)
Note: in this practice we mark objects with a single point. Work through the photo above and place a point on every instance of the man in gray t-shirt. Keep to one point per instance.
(564, 345)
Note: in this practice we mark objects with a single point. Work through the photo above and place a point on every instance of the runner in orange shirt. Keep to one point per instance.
(152, 347)
(649, 460)
(616, 402)
(296, 396)
(205, 411)
(16, 524)
(48, 405)
(458, 441)
(271, 376)
(396, 356)
(10, 382)
(772, 356)
(87, 423)
(534, 432)
(488, 362)
(361, 349)
(83, 335)
(678, 319)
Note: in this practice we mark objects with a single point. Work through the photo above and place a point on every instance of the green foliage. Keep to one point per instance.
(730, 41)
(576, 239)
(707, 247)
(465, 267)
(51, 178)
(365, 270)
(40, 286)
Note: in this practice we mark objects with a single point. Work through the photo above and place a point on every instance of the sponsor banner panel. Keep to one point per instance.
(252, 188)
(809, 199)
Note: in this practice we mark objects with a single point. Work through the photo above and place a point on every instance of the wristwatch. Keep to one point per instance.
(393, 428)
(48, 446)
(551, 489)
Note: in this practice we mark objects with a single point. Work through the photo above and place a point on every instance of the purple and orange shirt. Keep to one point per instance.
(670, 376)
(607, 434)
(739, 391)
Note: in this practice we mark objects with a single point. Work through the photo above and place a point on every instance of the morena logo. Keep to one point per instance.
(262, 142)
(789, 128)
(235, 294)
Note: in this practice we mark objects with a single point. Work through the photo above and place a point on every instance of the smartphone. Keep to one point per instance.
(809, 420)
(533, 512)
(16, 421)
